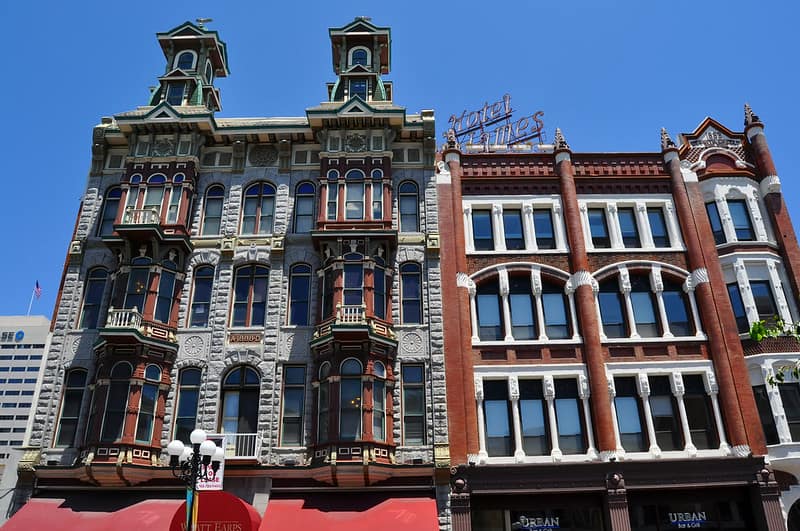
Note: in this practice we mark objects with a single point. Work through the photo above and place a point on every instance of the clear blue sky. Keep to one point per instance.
(610, 74)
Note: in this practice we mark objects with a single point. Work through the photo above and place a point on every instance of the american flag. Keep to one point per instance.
(37, 290)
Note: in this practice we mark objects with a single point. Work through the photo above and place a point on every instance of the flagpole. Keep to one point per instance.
(31, 303)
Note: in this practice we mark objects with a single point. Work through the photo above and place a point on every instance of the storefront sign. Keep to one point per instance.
(470, 127)
(688, 520)
(536, 523)
(244, 338)
(214, 482)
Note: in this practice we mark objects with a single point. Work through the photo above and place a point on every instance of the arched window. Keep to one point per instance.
(185, 61)
(304, 208)
(153, 197)
(323, 403)
(490, 324)
(74, 386)
(377, 194)
(166, 291)
(611, 309)
(299, 295)
(556, 315)
(138, 280)
(644, 307)
(110, 208)
(259, 209)
(250, 296)
(201, 296)
(409, 205)
(209, 73)
(411, 293)
(212, 210)
(116, 402)
(93, 297)
(350, 400)
(240, 390)
(359, 56)
(175, 193)
(379, 401)
(147, 405)
(333, 194)
(354, 195)
(520, 300)
(188, 398)
(353, 280)
(676, 306)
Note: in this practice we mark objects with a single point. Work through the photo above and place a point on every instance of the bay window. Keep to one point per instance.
(147, 404)
(379, 401)
(350, 400)
(742, 225)
(716, 223)
(116, 402)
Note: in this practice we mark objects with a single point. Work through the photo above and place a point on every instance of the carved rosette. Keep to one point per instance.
(411, 343)
(263, 155)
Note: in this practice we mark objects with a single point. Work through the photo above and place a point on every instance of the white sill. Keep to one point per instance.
(634, 340)
(536, 342)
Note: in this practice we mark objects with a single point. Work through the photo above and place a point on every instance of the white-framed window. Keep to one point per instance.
(359, 55)
(734, 208)
(533, 414)
(666, 408)
(354, 195)
(641, 301)
(332, 207)
(635, 223)
(516, 303)
(778, 404)
(757, 288)
(527, 225)
(185, 60)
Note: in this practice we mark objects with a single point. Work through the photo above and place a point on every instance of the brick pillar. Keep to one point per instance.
(462, 416)
(617, 503)
(716, 313)
(582, 282)
(769, 496)
(770, 189)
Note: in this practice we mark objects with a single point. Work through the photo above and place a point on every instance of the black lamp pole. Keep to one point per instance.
(192, 464)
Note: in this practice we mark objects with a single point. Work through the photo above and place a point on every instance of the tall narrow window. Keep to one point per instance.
(790, 396)
(716, 223)
(116, 402)
(765, 414)
(482, 230)
(497, 412)
(411, 281)
(138, 280)
(543, 228)
(512, 226)
(147, 404)
(628, 227)
(304, 208)
(676, 305)
(533, 416)
(765, 301)
(554, 304)
(520, 299)
(153, 196)
(188, 399)
(327, 293)
(377, 196)
(358, 57)
(487, 299)
(569, 419)
(665, 414)
(409, 207)
(379, 402)
(629, 415)
(212, 210)
(175, 93)
(611, 314)
(658, 227)
(200, 308)
(644, 310)
(174, 204)
(259, 209)
(379, 289)
(186, 60)
(358, 87)
(299, 295)
(698, 412)
(353, 284)
(93, 297)
(74, 386)
(354, 195)
(598, 228)
(333, 194)
(739, 312)
(166, 291)
(294, 391)
(240, 400)
(250, 296)
(413, 380)
(323, 403)
(741, 220)
(110, 208)
(350, 400)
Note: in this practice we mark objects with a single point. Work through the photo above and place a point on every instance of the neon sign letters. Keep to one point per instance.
(471, 127)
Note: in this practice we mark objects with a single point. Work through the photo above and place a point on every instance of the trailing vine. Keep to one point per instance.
(761, 330)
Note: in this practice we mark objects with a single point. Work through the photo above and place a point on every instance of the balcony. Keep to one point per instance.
(141, 225)
(351, 314)
(351, 323)
(239, 446)
(128, 323)
(140, 216)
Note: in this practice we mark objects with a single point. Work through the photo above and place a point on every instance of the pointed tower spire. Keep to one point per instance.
(666, 141)
(559, 142)
(749, 116)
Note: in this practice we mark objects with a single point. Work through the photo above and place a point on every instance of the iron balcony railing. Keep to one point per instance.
(239, 445)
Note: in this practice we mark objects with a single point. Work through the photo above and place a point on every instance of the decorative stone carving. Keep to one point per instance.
(699, 276)
(583, 387)
(513, 388)
(549, 387)
(263, 155)
(163, 147)
(193, 346)
(612, 390)
(749, 116)
(478, 388)
(644, 384)
(411, 343)
(771, 184)
(355, 143)
(655, 279)
(581, 278)
(559, 141)
(624, 280)
(677, 384)
(711, 383)
(666, 141)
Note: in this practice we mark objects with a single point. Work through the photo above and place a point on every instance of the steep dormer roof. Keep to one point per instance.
(188, 33)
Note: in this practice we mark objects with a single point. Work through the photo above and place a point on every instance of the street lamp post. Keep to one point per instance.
(200, 461)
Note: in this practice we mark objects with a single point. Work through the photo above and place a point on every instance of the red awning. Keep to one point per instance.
(351, 512)
(219, 511)
(54, 513)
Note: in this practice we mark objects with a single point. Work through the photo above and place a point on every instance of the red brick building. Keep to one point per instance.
(596, 335)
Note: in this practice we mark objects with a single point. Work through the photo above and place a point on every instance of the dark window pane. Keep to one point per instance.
(611, 312)
(644, 310)
(765, 302)
(598, 228)
(490, 326)
(765, 414)
(698, 413)
(482, 230)
(790, 396)
(533, 416)
(512, 225)
(497, 410)
(523, 323)
(676, 308)
(741, 220)
(543, 227)
(665, 414)
(658, 227)
(742, 323)
(630, 231)
(716, 223)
